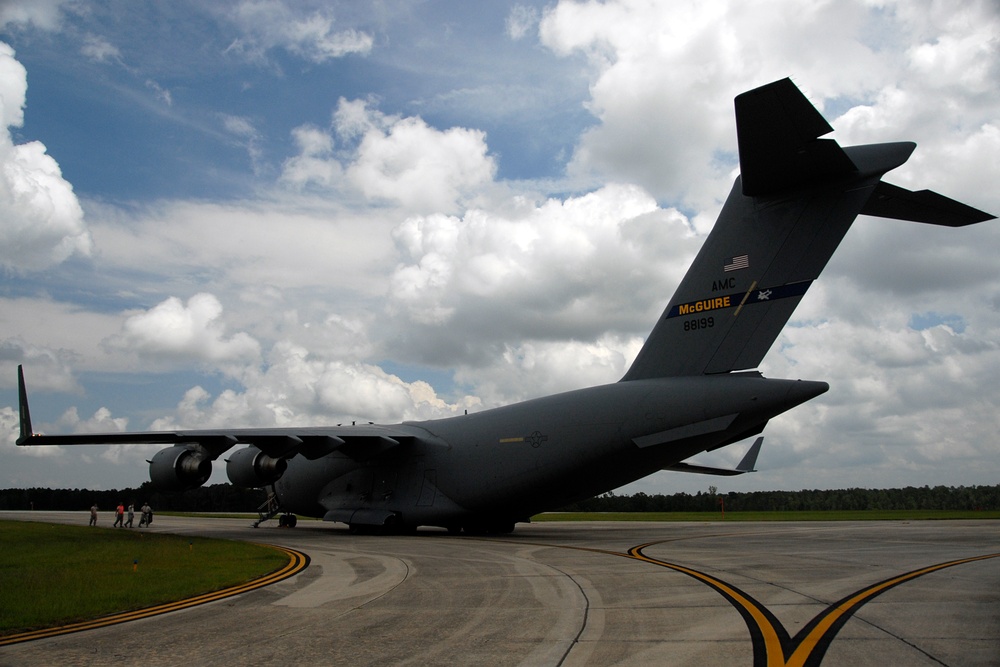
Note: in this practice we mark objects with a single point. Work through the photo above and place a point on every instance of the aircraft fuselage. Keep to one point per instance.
(539, 454)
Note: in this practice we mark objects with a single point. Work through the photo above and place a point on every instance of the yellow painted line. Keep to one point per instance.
(826, 625)
(808, 643)
(297, 561)
(772, 642)
(773, 635)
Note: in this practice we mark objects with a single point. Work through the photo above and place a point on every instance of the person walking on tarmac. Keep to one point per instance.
(93, 514)
(131, 514)
(119, 516)
(147, 515)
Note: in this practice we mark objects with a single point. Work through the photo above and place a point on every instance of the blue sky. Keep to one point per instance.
(174, 89)
(266, 213)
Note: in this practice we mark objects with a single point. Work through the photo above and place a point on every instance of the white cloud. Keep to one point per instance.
(162, 94)
(541, 367)
(394, 160)
(100, 422)
(560, 265)
(13, 88)
(43, 14)
(425, 169)
(521, 20)
(315, 163)
(42, 224)
(300, 388)
(267, 25)
(664, 76)
(48, 369)
(532, 298)
(100, 50)
(194, 330)
(388, 242)
(10, 430)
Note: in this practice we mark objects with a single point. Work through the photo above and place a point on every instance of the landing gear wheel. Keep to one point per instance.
(287, 520)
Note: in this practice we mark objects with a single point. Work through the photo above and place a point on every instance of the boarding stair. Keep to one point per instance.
(269, 509)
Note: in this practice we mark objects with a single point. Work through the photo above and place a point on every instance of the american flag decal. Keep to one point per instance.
(737, 263)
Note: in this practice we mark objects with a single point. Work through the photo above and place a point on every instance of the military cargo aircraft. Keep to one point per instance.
(691, 389)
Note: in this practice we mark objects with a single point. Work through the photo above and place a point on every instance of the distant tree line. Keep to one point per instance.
(213, 498)
(228, 498)
(908, 498)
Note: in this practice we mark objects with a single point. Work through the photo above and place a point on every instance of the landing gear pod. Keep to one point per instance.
(179, 469)
(251, 468)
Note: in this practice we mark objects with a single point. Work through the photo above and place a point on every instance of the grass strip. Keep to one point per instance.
(825, 515)
(53, 574)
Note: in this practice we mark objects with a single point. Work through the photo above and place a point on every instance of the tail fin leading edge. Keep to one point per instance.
(788, 211)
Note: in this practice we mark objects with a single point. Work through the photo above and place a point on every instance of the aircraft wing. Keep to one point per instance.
(359, 442)
(745, 466)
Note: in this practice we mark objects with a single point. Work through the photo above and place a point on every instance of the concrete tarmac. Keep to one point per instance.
(589, 593)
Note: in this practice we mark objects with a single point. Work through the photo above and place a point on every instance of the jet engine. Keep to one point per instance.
(251, 468)
(179, 468)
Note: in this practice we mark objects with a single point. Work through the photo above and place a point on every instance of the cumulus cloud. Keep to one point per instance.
(195, 330)
(542, 367)
(100, 422)
(48, 369)
(42, 224)
(391, 242)
(469, 290)
(904, 397)
(314, 163)
(10, 430)
(664, 76)
(402, 161)
(267, 25)
(303, 389)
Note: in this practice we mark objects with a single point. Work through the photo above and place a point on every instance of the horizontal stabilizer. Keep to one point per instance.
(778, 131)
(892, 201)
(746, 465)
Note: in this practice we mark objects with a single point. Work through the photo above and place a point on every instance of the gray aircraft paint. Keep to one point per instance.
(691, 388)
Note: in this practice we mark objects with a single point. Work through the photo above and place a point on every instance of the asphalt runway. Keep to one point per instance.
(593, 593)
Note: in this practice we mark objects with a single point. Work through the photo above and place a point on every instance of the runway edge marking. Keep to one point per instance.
(297, 562)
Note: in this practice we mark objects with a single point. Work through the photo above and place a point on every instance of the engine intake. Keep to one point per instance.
(179, 468)
(251, 468)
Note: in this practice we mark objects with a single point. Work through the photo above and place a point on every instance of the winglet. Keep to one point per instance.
(22, 402)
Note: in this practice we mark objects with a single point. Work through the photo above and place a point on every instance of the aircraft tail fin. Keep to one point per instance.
(792, 204)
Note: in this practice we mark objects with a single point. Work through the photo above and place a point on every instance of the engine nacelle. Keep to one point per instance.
(179, 468)
(251, 468)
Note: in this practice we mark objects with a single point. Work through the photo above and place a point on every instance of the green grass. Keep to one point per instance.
(857, 515)
(52, 575)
